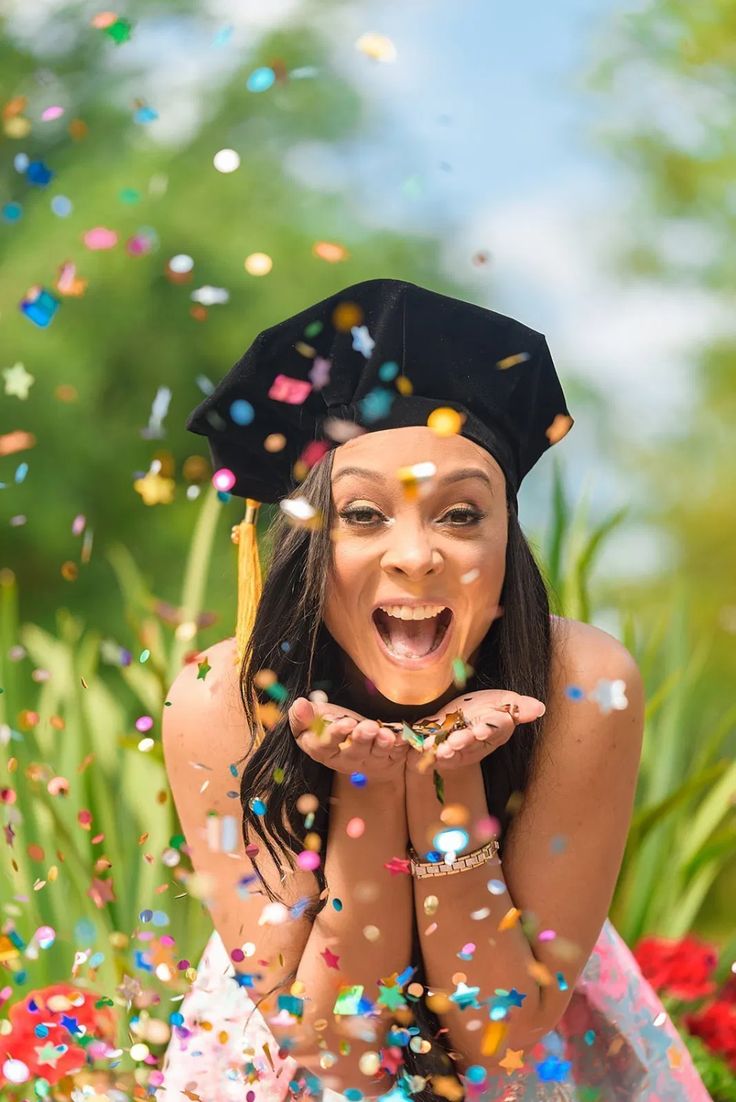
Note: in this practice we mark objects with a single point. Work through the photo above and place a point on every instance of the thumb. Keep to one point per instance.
(301, 714)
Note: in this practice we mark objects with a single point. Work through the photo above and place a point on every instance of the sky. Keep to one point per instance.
(487, 136)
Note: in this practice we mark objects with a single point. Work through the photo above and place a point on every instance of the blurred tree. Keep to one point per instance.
(99, 364)
(667, 84)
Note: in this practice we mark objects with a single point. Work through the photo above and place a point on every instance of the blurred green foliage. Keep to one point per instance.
(97, 369)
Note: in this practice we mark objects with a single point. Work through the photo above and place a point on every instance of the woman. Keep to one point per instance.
(401, 594)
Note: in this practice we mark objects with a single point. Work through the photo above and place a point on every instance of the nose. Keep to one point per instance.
(412, 552)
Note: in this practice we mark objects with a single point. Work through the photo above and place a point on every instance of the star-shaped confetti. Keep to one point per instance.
(398, 865)
(390, 997)
(320, 372)
(18, 381)
(513, 1060)
(155, 489)
(610, 695)
(49, 1054)
(362, 340)
(553, 1070)
(101, 892)
(466, 996)
(330, 959)
(71, 1024)
(203, 668)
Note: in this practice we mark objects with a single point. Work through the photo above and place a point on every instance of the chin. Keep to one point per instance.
(409, 690)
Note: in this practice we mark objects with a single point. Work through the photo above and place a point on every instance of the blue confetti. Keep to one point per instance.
(39, 174)
(388, 371)
(260, 80)
(12, 212)
(40, 306)
(242, 412)
(145, 115)
(61, 206)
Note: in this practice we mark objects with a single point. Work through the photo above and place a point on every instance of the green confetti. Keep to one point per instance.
(459, 673)
(439, 785)
(409, 735)
(348, 999)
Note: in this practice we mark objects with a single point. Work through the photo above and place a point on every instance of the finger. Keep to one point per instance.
(522, 709)
(365, 731)
(301, 715)
(387, 744)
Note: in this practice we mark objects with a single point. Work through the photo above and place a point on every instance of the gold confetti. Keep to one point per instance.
(494, 1034)
(512, 361)
(510, 919)
(559, 428)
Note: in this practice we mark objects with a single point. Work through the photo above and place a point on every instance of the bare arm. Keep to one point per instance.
(353, 865)
(581, 793)
(501, 959)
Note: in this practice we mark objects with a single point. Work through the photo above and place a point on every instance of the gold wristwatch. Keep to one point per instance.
(420, 869)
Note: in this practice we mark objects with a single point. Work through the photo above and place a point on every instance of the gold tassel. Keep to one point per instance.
(250, 583)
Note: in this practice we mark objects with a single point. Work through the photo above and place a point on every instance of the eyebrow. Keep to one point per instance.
(453, 476)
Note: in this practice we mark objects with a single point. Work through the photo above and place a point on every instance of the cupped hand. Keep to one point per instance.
(491, 717)
(346, 741)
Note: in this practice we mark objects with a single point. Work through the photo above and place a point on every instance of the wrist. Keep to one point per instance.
(464, 787)
(383, 787)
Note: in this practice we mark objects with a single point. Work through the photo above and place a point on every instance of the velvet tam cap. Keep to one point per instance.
(381, 354)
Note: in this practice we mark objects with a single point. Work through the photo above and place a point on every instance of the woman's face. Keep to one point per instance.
(443, 545)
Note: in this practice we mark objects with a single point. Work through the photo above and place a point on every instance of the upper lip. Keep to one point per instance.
(411, 602)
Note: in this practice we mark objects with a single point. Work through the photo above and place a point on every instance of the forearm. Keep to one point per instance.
(502, 957)
(370, 935)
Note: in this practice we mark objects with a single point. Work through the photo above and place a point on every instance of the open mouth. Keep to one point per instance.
(412, 639)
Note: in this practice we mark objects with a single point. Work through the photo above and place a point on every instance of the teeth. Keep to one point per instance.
(420, 612)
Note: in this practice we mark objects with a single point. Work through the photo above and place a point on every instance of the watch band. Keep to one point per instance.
(421, 869)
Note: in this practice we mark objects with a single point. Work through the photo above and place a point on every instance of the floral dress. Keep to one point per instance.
(614, 1043)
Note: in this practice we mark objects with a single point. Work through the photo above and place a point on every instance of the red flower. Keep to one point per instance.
(47, 1025)
(727, 994)
(680, 968)
(716, 1026)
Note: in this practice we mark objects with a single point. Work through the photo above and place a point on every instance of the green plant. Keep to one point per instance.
(94, 832)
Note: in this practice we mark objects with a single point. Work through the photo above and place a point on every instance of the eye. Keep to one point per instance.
(351, 515)
(472, 516)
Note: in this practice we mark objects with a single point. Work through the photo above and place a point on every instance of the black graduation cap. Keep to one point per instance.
(379, 354)
(382, 354)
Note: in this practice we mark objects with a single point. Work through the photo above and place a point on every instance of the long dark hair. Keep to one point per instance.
(290, 639)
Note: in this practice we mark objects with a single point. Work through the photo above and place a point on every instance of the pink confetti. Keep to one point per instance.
(284, 388)
(50, 113)
(100, 238)
(144, 723)
(547, 935)
(308, 860)
(78, 524)
(223, 480)
(355, 828)
(103, 19)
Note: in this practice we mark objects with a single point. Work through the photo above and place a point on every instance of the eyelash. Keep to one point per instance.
(350, 514)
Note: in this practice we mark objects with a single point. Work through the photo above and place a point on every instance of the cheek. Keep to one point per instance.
(342, 582)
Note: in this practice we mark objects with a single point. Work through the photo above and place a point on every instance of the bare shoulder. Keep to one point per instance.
(204, 704)
(578, 646)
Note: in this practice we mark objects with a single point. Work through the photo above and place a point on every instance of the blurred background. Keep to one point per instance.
(176, 176)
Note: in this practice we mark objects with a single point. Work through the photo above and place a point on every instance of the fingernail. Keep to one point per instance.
(541, 711)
